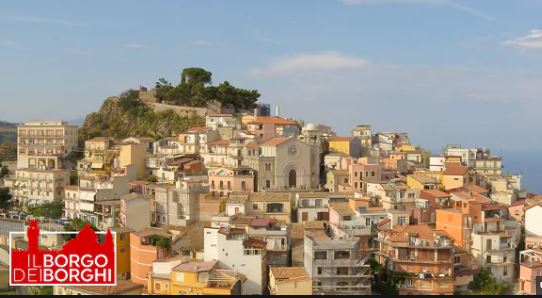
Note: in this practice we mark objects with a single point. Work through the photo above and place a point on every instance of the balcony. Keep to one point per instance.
(339, 263)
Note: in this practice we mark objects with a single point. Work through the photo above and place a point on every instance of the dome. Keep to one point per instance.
(311, 126)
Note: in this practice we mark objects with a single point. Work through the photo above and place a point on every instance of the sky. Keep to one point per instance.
(445, 71)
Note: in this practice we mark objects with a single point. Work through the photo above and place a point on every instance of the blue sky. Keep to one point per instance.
(446, 71)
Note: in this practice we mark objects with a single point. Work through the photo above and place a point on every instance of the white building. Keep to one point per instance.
(135, 212)
(234, 250)
(533, 226)
(35, 187)
(45, 144)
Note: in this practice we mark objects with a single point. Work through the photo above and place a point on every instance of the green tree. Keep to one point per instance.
(5, 196)
(49, 210)
(3, 170)
(194, 75)
(485, 284)
(152, 179)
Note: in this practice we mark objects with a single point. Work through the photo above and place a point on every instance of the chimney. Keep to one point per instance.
(277, 111)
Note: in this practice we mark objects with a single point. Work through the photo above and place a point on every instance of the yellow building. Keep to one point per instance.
(133, 154)
(347, 145)
(123, 250)
(193, 278)
(454, 176)
(289, 281)
(421, 180)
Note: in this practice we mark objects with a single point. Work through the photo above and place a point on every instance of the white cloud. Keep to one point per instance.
(325, 61)
(532, 40)
(135, 46)
(200, 42)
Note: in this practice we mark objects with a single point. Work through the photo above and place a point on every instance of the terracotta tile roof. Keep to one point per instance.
(288, 272)
(342, 208)
(433, 194)
(475, 188)
(145, 139)
(122, 286)
(272, 120)
(275, 141)
(423, 231)
(491, 206)
(254, 243)
(195, 266)
(251, 145)
(424, 179)
(516, 203)
(455, 170)
(199, 129)
(262, 222)
(220, 143)
(340, 139)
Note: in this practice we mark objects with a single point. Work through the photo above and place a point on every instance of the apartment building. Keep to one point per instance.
(135, 211)
(35, 186)
(394, 195)
(312, 206)
(99, 159)
(335, 263)
(364, 133)
(350, 146)
(425, 254)
(235, 250)
(364, 170)
(494, 242)
(223, 181)
(95, 199)
(147, 246)
(265, 128)
(122, 242)
(45, 144)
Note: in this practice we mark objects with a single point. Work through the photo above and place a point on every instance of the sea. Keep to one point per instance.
(529, 164)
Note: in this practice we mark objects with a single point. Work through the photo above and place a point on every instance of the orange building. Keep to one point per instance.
(456, 224)
(422, 252)
(146, 246)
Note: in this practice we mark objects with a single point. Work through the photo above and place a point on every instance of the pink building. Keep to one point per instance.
(223, 181)
(365, 170)
(530, 267)
(267, 127)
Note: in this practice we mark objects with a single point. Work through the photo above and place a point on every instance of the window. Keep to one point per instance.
(457, 259)
(343, 271)
(243, 185)
(274, 207)
(372, 174)
(401, 220)
(320, 255)
(320, 270)
(254, 206)
(341, 255)
(347, 218)
(267, 184)
(505, 271)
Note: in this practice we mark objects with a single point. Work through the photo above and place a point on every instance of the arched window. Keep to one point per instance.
(221, 184)
(243, 185)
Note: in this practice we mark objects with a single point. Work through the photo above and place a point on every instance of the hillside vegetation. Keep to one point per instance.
(125, 116)
(195, 90)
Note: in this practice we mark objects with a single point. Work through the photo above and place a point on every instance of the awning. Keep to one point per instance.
(97, 165)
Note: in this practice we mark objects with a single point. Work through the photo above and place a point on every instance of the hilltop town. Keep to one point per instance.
(232, 197)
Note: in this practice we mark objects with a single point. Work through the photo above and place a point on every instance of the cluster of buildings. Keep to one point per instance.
(260, 204)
